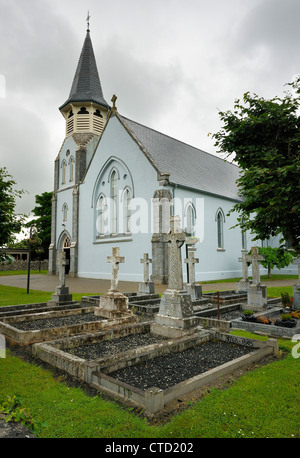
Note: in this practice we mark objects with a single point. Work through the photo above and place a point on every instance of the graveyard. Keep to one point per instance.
(145, 350)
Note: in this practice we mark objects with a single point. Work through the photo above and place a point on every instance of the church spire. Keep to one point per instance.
(86, 85)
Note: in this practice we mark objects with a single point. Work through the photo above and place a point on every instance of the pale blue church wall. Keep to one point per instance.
(117, 149)
(214, 263)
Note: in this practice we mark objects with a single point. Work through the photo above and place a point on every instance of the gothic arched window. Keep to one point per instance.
(220, 218)
(114, 202)
(126, 210)
(63, 172)
(190, 219)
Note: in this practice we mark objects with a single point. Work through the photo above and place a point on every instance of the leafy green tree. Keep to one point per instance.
(263, 137)
(42, 223)
(275, 257)
(10, 222)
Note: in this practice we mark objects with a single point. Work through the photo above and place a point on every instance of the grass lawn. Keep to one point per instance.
(22, 272)
(262, 403)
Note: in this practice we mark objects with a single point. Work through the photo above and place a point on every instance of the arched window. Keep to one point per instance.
(83, 110)
(190, 219)
(126, 210)
(220, 218)
(65, 212)
(63, 172)
(114, 202)
(101, 207)
(98, 113)
(71, 164)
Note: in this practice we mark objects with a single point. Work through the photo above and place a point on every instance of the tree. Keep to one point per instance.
(10, 222)
(275, 257)
(264, 138)
(42, 223)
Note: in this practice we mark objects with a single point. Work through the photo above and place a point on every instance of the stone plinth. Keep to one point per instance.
(194, 290)
(146, 287)
(243, 285)
(257, 297)
(61, 295)
(113, 305)
(175, 317)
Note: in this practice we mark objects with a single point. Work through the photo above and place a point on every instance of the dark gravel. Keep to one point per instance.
(114, 346)
(166, 371)
(47, 323)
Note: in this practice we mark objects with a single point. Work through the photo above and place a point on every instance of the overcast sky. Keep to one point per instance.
(172, 64)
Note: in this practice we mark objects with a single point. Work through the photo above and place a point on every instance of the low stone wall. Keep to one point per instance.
(23, 265)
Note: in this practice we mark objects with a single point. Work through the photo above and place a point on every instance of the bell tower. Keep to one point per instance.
(85, 111)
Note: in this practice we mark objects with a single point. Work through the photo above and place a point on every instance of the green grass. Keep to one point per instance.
(264, 278)
(262, 403)
(11, 295)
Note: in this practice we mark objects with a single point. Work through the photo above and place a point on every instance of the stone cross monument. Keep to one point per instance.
(114, 304)
(61, 295)
(115, 260)
(244, 283)
(256, 293)
(175, 317)
(147, 286)
(194, 289)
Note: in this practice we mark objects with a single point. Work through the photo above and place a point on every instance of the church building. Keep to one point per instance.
(117, 182)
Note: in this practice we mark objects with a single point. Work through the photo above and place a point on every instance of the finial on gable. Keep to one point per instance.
(114, 99)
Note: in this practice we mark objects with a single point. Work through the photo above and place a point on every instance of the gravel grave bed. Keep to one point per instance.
(46, 323)
(165, 371)
(113, 346)
(229, 316)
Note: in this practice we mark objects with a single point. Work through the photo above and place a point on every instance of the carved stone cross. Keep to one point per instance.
(244, 262)
(63, 262)
(191, 261)
(254, 258)
(146, 261)
(115, 260)
(176, 239)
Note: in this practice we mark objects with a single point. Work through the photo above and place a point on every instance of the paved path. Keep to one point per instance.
(95, 286)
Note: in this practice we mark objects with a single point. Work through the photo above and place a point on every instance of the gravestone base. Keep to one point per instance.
(60, 296)
(243, 285)
(194, 290)
(175, 317)
(146, 287)
(257, 297)
(296, 294)
(113, 305)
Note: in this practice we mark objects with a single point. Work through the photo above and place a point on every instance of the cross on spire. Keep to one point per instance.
(88, 21)
(115, 260)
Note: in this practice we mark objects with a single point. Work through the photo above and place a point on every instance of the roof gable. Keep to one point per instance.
(188, 166)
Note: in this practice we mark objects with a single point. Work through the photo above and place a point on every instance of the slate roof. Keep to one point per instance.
(188, 166)
(86, 85)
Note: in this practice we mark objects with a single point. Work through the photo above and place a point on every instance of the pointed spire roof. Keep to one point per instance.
(86, 85)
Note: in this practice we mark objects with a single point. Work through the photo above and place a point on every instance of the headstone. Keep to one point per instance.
(296, 287)
(256, 293)
(244, 283)
(61, 295)
(147, 286)
(192, 288)
(114, 304)
(175, 317)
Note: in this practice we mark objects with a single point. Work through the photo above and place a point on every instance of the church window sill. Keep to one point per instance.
(221, 249)
(113, 238)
